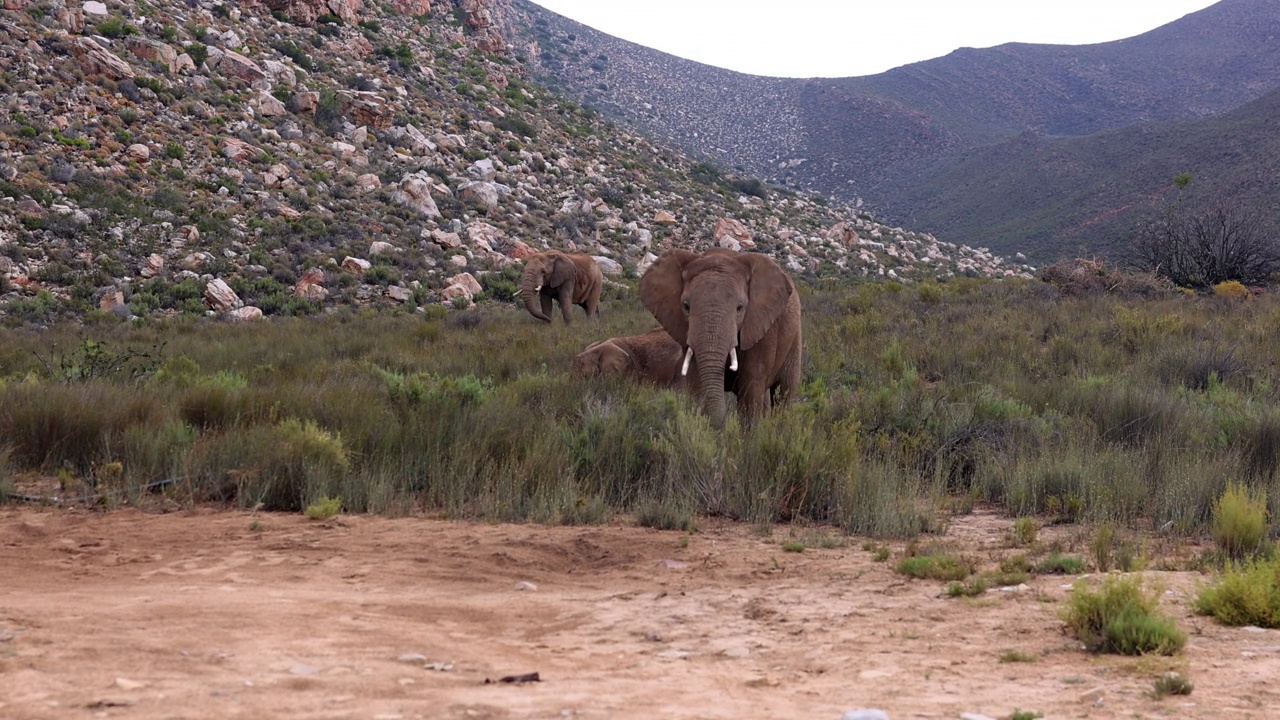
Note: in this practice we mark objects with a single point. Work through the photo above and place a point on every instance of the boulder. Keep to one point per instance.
(280, 73)
(467, 282)
(233, 64)
(155, 50)
(480, 195)
(244, 314)
(446, 239)
(414, 192)
(97, 60)
(311, 285)
(381, 247)
(139, 152)
(220, 297)
(95, 9)
(731, 234)
(111, 298)
(306, 102)
(413, 138)
(152, 267)
(608, 266)
(268, 105)
(355, 265)
(365, 108)
(399, 294)
(662, 217)
(519, 250)
(482, 169)
(238, 150)
(368, 182)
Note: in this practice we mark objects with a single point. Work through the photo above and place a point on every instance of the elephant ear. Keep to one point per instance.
(559, 269)
(613, 359)
(660, 291)
(768, 290)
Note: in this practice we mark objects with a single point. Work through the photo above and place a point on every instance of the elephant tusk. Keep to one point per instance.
(538, 289)
(684, 370)
(733, 359)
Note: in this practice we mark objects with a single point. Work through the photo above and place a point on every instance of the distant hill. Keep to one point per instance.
(883, 137)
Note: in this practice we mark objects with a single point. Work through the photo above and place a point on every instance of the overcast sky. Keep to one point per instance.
(840, 38)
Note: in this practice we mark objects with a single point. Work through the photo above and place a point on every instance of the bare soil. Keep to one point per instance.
(218, 614)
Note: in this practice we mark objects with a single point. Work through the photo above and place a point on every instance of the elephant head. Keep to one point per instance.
(543, 273)
(718, 306)
(601, 358)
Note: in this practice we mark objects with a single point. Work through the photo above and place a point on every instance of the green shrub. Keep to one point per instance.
(1056, 564)
(1246, 594)
(1172, 684)
(324, 508)
(1239, 521)
(199, 52)
(935, 566)
(1120, 617)
(1024, 532)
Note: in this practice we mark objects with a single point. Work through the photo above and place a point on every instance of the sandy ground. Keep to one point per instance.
(217, 614)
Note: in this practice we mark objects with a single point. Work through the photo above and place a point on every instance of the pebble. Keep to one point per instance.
(304, 670)
(526, 585)
(1253, 629)
(127, 684)
(975, 716)
(439, 666)
(736, 652)
(412, 658)
(1093, 696)
(865, 714)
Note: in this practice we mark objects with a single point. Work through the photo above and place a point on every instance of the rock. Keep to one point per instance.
(365, 108)
(268, 105)
(1093, 697)
(608, 266)
(519, 250)
(737, 652)
(239, 150)
(244, 314)
(368, 182)
(646, 262)
(662, 217)
(381, 246)
(414, 192)
(112, 298)
(280, 73)
(446, 239)
(355, 265)
(311, 285)
(482, 169)
(732, 234)
(95, 9)
(127, 684)
(184, 64)
(139, 152)
(302, 669)
(412, 658)
(414, 139)
(306, 102)
(526, 586)
(480, 195)
(229, 62)
(974, 716)
(467, 282)
(97, 60)
(155, 50)
(152, 266)
(412, 7)
(865, 714)
(453, 292)
(220, 297)
(399, 294)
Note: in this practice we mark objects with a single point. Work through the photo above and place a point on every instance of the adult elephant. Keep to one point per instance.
(652, 357)
(738, 317)
(570, 278)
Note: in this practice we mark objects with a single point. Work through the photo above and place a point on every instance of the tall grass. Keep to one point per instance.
(1131, 413)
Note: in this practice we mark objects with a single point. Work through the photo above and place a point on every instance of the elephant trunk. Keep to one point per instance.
(529, 294)
(711, 386)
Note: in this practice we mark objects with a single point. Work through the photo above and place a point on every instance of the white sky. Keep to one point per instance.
(840, 38)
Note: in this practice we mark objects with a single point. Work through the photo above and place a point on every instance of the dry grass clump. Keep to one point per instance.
(1083, 277)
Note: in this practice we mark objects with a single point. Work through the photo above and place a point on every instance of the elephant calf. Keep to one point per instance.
(652, 357)
(570, 278)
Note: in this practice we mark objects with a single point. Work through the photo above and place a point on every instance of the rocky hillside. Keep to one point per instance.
(294, 156)
(879, 137)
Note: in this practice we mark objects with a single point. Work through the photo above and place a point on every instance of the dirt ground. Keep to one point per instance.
(218, 614)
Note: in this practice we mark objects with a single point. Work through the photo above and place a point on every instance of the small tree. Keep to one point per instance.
(1205, 243)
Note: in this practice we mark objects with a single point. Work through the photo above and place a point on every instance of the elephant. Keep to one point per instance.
(652, 357)
(571, 278)
(738, 317)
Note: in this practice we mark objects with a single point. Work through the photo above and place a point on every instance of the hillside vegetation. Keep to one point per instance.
(172, 157)
(907, 139)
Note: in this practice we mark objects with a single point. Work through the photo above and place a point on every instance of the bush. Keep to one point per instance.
(1231, 289)
(324, 508)
(1239, 521)
(936, 565)
(1121, 618)
(1172, 684)
(1246, 594)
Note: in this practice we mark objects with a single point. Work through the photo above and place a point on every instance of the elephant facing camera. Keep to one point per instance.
(567, 278)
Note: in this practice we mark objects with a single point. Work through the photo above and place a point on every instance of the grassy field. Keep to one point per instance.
(917, 402)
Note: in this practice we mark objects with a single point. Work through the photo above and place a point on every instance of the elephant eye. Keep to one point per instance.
(739, 307)
(686, 305)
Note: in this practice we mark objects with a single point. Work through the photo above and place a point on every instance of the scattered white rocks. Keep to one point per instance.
(865, 714)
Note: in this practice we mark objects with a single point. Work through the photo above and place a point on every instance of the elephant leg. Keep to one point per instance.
(566, 303)
(788, 385)
(752, 393)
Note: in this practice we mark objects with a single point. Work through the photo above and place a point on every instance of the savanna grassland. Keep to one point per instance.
(917, 402)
